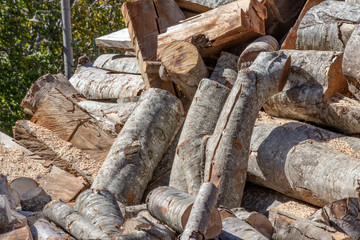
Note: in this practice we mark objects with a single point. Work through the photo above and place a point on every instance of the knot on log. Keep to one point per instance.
(201, 41)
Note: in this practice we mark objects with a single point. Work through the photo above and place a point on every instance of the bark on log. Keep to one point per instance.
(235, 228)
(184, 66)
(201, 6)
(200, 214)
(317, 166)
(200, 122)
(140, 146)
(7, 191)
(73, 124)
(173, 207)
(245, 18)
(133, 211)
(261, 44)
(119, 40)
(328, 26)
(225, 71)
(21, 233)
(70, 220)
(44, 230)
(101, 209)
(5, 214)
(117, 63)
(351, 62)
(34, 200)
(96, 83)
(227, 149)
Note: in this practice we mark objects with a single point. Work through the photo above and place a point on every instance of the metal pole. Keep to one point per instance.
(67, 38)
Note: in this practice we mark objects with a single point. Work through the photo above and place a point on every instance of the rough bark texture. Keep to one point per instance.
(133, 211)
(228, 148)
(101, 209)
(119, 40)
(200, 122)
(328, 26)
(96, 83)
(245, 20)
(43, 229)
(225, 71)
(235, 228)
(7, 191)
(261, 44)
(140, 146)
(201, 5)
(117, 63)
(200, 214)
(34, 200)
(5, 215)
(184, 66)
(70, 220)
(351, 63)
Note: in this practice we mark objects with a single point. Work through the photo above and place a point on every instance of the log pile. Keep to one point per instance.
(223, 120)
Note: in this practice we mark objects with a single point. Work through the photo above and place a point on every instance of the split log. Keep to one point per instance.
(158, 16)
(34, 200)
(328, 26)
(225, 71)
(291, 227)
(201, 212)
(73, 124)
(140, 146)
(317, 166)
(5, 215)
(96, 83)
(245, 20)
(200, 121)
(21, 233)
(43, 229)
(70, 220)
(184, 66)
(23, 184)
(227, 149)
(101, 209)
(261, 44)
(173, 207)
(41, 88)
(119, 40)
(7, 191)
(201, 6)
(350, 65)
(235, 228)
(117, 63)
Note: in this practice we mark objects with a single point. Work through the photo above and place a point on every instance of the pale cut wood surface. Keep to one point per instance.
(201, 5)
(119, 40)
(118, 63)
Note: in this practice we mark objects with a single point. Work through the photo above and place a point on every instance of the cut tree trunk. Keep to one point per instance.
(227, 149)
(119, 40)
(245, 20)
(225, 71)
(302, 161)
(140, 146)
(235, 228)
(351, 63)
(261, 44)
(201, 6)
(328, 26)
(96, 83)
(157, 17)
(117, 63)
(43, 229)
(21, 233)
(200, 121)
(173, 207)
(184, 66)
(5, 214)
(34, 200)
(73, 124)
(23, 184)
(199, 219)
(70, 220)
(101, 209)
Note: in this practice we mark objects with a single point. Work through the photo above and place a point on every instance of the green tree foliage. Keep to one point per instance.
(30, 49)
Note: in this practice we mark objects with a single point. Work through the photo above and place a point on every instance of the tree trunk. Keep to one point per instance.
(140, 146)
(235, 228)
(302, 161)
(43, 229)
(119, 40)
(201, 6)
(70, 220)
(96, 83)
(228, 148)
(261, 44)
(328, 26)
(225, 71)
(199, 219)
(184, 66)
(101, 209)
(173, 207)
(5, 214)
(200, 121)
(245, 21)
(117, 63)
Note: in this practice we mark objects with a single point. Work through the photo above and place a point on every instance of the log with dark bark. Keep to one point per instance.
(5, 214)
(235, 228)
(34, 200)
(183, 65)
(117, 63)
(225, 71)
(119, 40)
(227, 149)
(140, 146)
(43, 229)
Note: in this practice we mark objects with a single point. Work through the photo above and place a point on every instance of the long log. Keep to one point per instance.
(235, 228)
(225, 71)
(119, 40)
(116, 63)
(43, 229)
(140, 146)
(227, 149)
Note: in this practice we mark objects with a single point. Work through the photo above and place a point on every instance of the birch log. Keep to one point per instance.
(173, 207)
(200, 122)
(328, 26)
(228, 148)
(44, 230)
(183, 65)
(235, 228)
(70, 220)
(5, 214)
(116, 63)
(140, 146)
(225, 71)
(200, 214)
